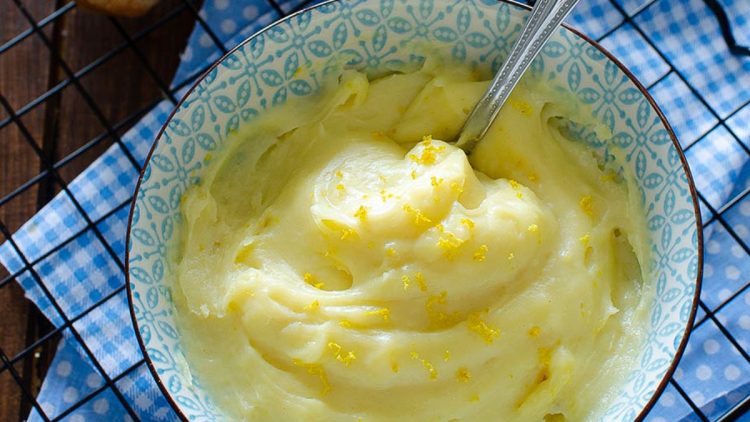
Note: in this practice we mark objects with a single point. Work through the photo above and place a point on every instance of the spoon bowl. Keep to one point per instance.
(545, 18)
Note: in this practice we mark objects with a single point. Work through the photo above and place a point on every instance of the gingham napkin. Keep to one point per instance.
(683, 32)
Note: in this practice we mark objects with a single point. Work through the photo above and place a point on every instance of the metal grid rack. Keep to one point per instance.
(50, 174)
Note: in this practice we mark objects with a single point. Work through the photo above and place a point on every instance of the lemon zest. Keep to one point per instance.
(313, 281)
(315, 369)
(463, 375)
(384, 313)
(429, 152)
(480, 254)
(385, 195)
(406, 281)
(361, 213)
(346, 324)
(456, 187)
(587, 205)
(419, 278)
(478, 326)
(313, 306)
(426, 365)
(419, 217)
(437, 317)
(450, 244)
(522, 106)
(348, 233)
(344, 357)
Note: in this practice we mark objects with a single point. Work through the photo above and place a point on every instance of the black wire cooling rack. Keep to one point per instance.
(50, 174)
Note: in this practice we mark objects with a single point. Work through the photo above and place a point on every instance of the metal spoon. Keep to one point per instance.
(545, 17)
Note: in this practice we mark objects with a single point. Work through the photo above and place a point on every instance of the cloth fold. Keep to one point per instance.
(682, 34)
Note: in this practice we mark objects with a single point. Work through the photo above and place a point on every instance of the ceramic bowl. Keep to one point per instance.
(370, 34)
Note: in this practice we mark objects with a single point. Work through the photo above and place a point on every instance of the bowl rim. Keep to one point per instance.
(672, 136)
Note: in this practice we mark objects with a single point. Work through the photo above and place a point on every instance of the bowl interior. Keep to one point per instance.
(376, 34)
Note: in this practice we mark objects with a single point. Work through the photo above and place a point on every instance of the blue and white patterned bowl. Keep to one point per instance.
(261, 73)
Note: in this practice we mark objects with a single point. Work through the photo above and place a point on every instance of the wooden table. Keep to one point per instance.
(60, 125)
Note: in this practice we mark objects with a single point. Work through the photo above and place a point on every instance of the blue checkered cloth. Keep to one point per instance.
(673, 46)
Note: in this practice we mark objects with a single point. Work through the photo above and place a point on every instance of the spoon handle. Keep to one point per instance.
(545, 17)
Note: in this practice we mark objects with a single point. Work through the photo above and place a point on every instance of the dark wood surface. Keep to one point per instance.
(59, 126)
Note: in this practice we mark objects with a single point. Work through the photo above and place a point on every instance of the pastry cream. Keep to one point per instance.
(341, 261)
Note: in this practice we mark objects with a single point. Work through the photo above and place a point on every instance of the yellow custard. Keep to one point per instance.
(340, 261)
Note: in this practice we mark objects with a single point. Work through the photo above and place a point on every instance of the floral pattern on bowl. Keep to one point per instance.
(264, 72)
